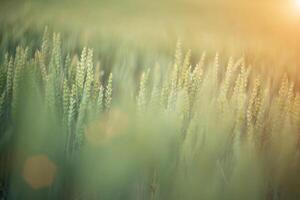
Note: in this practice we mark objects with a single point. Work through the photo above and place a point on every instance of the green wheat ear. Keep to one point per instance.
(20, 60)
(164, 95)
(216, 69)
(45, 45)
(184, 71)
(183, 104)
(2, 104)
(82, 113)
(253, 104)
(100, 105)
(9, 78)
(197, 77)
(80, 71)
(89, 74)
(226, 82)
(108, 92)
(55, 62)
(96, 82)
(171, 101)
(66, 99)
(67, 66)
(141, 99)
(72, 107)
(2, 78)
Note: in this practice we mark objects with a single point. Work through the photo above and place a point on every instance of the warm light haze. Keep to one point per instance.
(149, 100)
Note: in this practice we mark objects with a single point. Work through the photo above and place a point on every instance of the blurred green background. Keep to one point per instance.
(206, 23)
(260, 30)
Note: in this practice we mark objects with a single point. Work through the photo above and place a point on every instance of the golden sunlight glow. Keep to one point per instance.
(297, 3)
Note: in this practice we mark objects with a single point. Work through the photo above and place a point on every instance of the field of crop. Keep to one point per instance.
(141, 100)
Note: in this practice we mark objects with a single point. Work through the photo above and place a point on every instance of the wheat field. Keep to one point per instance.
(125, 119)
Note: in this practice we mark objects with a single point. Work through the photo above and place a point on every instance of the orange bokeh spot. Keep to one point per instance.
(108, 127)
(39, 171)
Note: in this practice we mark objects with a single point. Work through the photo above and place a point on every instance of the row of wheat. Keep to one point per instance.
(193, 132)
